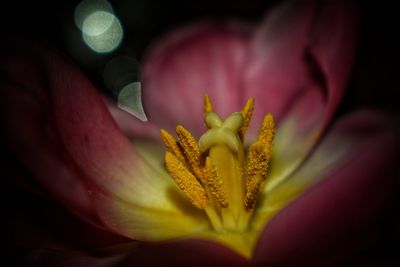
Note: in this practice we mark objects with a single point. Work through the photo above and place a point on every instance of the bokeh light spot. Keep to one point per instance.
(102, 31)
(130, 100)
(87, 7)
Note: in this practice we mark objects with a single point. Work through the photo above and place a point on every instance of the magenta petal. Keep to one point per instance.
(30, 133)
(201, 59)
(61, 129)
(301, 58)
(322, 222)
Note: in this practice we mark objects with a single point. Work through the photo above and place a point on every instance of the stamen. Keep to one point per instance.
(208, 106)
(215, 184)
(192, 152)
(186, 181)
(267, 131)
(256, 173)
(172, 145)
(247, 113)
(259, 155)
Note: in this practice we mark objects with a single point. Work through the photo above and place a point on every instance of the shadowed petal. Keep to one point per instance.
(42, 233)
(355, 166)
(30, 133)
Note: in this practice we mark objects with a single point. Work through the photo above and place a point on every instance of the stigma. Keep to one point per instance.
(217, 173)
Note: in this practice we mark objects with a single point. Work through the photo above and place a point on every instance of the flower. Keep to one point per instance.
(295, 64)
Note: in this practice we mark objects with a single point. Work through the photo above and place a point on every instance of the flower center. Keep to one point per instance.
(216, 173)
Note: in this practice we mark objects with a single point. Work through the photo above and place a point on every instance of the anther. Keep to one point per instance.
(247, 113)
(267, 130)
(256, 173)
(215, 184)
(259, 156)
(186, 181)
(172, 145)
(208, 106)
(191, 151)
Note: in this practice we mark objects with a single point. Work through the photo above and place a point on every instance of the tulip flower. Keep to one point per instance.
(251, 165)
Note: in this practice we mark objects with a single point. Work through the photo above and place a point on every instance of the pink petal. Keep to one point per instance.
(329, 218)
(30, 132)
(300, 59)
(197, 60)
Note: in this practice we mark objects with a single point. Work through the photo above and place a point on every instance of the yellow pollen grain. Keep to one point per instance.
(172, 145)
(186, 181)
(192, 152)
(215, 184)
(208, 106)
(247, 113)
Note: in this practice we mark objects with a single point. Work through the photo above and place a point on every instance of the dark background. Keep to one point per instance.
(375, 82)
